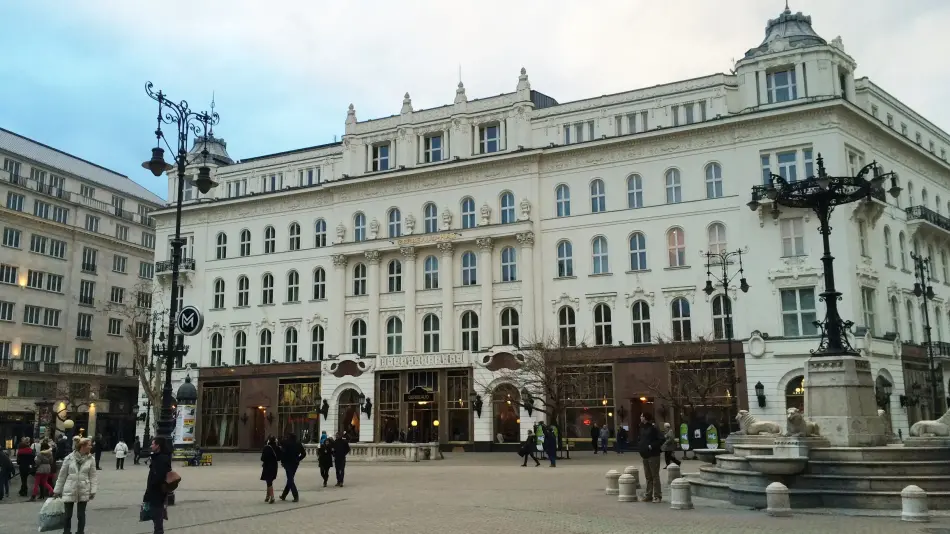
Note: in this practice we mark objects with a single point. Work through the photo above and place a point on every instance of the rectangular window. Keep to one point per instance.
(8, 274)
(119, 264)
(81, 357)
(488, 139)
(112, 363)
(809, 163)
(781, 86)
(92, 223)
(567, 134)
(33, 388)
(644, 122)
(766, 169)
(90, 259)
(855, 162)
(867, 303)
(122, 232)
(60, 215)
(54, 283)
(675, 113)
(6, 311)
(87, 291)
(39, 244)
(34, 279)
(590, 130)
(84, 326)
(793, 237)
(115, 327)
(118, 203)
(12, 167)
(148, 240)
(87, 191)
(42, 209)
(689, 113)
(579, 132)
(788, 166)
(117, 295)
(632, 123)
(32, 315)
(51, 317)
(143, 299)
(433, 149)
(14, 201)
(11, 237)
(618, 125)
(702, 110)
(146, 270)
(381, 157)
(237, 188)
(798, 312)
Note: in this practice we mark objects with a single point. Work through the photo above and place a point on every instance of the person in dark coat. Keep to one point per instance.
(25, 458)
(550, 445)
(325, 459)
(527, 449)
(651, 445)
(594, 436)
(6, 472)
(270, 458)
(341, 447)
(291, 455)
(160, 465)
(97, 448)
(136, 450)
(621, 443)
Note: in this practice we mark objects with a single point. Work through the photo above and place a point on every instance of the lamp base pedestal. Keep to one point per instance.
(839, 397)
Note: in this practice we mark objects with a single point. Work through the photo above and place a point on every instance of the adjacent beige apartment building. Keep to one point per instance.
(76, 265)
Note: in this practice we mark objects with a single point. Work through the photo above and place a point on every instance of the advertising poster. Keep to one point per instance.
(185, 425)
(684, 437)
(712, 437)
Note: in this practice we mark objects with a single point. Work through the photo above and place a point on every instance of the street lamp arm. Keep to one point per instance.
(180, 114)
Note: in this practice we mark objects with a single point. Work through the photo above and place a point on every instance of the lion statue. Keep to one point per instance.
(938, 428)
(750, 427)
(799, 427)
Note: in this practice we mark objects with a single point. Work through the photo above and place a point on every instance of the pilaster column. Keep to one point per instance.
(337, 296)
(409, 284)
(447, 283)
(763, 88)
(800, 88)
(526, 271)
(372, 323)
(487, 320)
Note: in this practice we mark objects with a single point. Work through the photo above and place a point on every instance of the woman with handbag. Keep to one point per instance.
(77, 484)
(156, 489)
(270, 458)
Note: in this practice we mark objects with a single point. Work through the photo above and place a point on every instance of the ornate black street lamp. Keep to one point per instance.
(722, 259)
(923, 289)
(200, 124)
(822, 194)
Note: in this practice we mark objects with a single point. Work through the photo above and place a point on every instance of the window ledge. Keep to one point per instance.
(240, 307)
(395, 292)
(598, 275)
(264, 305)
(638, 272)
(889, 266)
(80, 338)
(317, 300)
(115, 335)
(215, 309)
(905, 270)
(565, 277)
(794, 256)
(679, 268)
(291, 302)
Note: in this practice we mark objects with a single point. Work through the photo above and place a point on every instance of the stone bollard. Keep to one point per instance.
(635, 473)
(680, 496)
(613, 486)
(914, 505)
(628, 488)
(672, 473)
(776, 498)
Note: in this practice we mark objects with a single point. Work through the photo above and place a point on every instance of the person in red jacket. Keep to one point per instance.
(25, 458)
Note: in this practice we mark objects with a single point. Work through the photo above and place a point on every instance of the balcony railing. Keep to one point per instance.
(941, 349)
(66, 368)
(928, 215)
(165, 267)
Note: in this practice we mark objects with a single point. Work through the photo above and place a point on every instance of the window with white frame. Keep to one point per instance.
(430, 333)
(888, 252)
(266, 339)
(245, 243)
(116, 295)
(676, 247)
(563, 200)
(469, 331)
(81, 357)
(793, 236)
(507, 208)
(640, 316)
(395, 276)
(320, 233)
(468, 213)
(509, 265)
(902, 248)
(798, 312)
(430, 273)
(855, 161)
(509, 327)
(270, 240)
(566, 327)
(599, 255)
(394, 336)
(8, 274)
(469, 269)
(380, 157)
(115, 327)
(787, 165)
(359, 279)
(218, 294)
(217, 346)
(565, 259)
(603, 329)
(714, 180)
(92, 223)
(237, 188)
(7, 311)
(294, 236)
(319, 284)
(722, 317)
(598, 196)
(290, 345)
(293, 286)
(674, 190)
(243, 292)
(90, 259)
(781, 85)
(717, 238)
(221, 246)
(267, 289)
(430, 217)
(432, 149)
(895, 316)
(489, 139)
(867, 305)
(122, 232)
(943, 266)
(359, 227)
(634, 191)
(638, 252)
(395, 222)
(146, 270)
(911, 324)
(317, 341)
(11, 237)
(680, 316)
(14, 201)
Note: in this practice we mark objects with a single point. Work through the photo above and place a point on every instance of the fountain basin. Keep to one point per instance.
(708, 455)
(772, 465)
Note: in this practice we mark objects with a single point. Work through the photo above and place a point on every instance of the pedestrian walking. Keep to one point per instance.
(550, 445)
(325, 458)
(77, 484)
(136, 450)
(323, 437)
(6, 471)
(25, 459)
(270, 458)
(669, 445)
(651, 442)
(594, 436)
(604, 438)
(527, 450)
(621, 443)
(160, 464)
(97, 449)
(292, 454)
(45, 465)
(121, 451)
(341, 447)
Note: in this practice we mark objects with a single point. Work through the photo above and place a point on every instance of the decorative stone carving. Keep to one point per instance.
(409, 253)
(373, 228)
(938, 428)
(897, 346)
(526, 239)
(565, 300)
(351, 115)
(341, 232)
(264, 323)
(523, 83)
(406, 105)
(639, 294)
(446, 248)
(867, 275)
(525, 210)
(838, 43)
(372, 257)
(484, 243)
(750, 426)
(866, 346)
(216, 329)
(240, 327)
(410, 224)
(686, 292)
(798, 426)
(593, 299)
(888, 427)
(756, 344)
(792, 272)
(446, 219)
(316, 319)
(339, 260)
(486, 215)
(460, 94)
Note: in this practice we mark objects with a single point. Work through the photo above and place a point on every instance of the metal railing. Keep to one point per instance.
(66, 368)
(162, 267)
(928, 215)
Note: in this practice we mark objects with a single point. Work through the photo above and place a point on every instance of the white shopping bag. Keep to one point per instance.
(52, 515)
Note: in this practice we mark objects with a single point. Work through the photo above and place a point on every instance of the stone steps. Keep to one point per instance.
(894, 453)
(747, 450)
(872, 483)
(731, 461)
(876, 467)
(735, 477)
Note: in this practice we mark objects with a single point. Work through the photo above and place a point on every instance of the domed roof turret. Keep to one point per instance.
(789, 30)
(217, 150)
(187, 392)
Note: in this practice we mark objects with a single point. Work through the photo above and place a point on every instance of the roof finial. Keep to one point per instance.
(406, 104)
(211, 130)
(787, 10)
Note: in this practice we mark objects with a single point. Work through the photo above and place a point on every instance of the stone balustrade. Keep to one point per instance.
(385, 452)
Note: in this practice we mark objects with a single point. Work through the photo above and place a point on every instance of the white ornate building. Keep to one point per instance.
(426, 245)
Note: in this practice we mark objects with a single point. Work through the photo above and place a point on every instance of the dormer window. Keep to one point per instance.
(274, 182)
(488, 139)
(381, 157)
(433, 149)
(781, 86)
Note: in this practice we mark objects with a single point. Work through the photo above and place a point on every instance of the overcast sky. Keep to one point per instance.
(283, 72)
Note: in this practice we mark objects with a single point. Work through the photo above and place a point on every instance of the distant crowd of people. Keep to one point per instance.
(289, 453)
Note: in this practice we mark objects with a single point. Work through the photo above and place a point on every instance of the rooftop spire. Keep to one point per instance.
(460, 94)
(406, 104)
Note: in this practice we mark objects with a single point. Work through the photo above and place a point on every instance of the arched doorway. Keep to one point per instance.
(506, 408)
(795, 394)
(348, 412)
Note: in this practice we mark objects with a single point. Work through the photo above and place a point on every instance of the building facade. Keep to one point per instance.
(413, 261)
(76, 258)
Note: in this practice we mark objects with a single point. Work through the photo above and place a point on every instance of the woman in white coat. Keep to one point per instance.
(77, 484)
(121, 451)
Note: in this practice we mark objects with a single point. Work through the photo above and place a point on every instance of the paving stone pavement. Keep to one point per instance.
(477, 493)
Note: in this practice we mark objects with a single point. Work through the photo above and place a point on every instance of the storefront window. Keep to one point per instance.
(297, 409)
(591, 401)
(220, 404)
(425, 414)
(506, 408)
(349, 414)
(795, 394)
(388, 407)
(457, 406)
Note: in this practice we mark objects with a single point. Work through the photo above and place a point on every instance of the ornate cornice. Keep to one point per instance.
(446, 248)
(526, 239)
(686, 292)
(339, 260)
(409, 253)
(372, 257)
(639, 294)
(484, 243)
(316, 319)
(565, 300)
(608, 298)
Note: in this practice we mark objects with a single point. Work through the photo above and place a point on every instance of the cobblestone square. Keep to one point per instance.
(481, 493)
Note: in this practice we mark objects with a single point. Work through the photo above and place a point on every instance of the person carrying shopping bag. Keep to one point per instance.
(156, 487)
(77, 484)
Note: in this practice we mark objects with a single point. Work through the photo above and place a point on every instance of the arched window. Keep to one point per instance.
(218, 294)
(395, 223)
(430, 272)
(509, 265)
(931, 268)
(359, 279)
(293, 287)
(430, 217)
(509, 327)
(674, 190)
(911, 326)
(359, 227)
(598, 196)
(599, 255)
(217, 344)
(722, 317)
(395, 276)
(640, 314)
(243, 292)
(468, 213)
(563, 200)
(469, 331)
(910, 194)
(358, 337)
(317, 338)
(924, 197)
(676, 246)
(221, 247)
(469, 269)
(603, 329)
(679, 311)
(290, 345)
(895, 316)
(319, 284)
(430, 333)
(348, 413)
(267, 289)
(888, 255)
(713, 181)
(507, 208)
(320, 233)
(902, 248)
(943, 266)
(566, 327)
(265, 349)
(270, 240)
(506, 408)
(795, 394)
(294, 234)
(717, 238)
(394, 336)
(245, 243)
(240, 348)
(634, 191)
(565, 259)
(638, 252)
